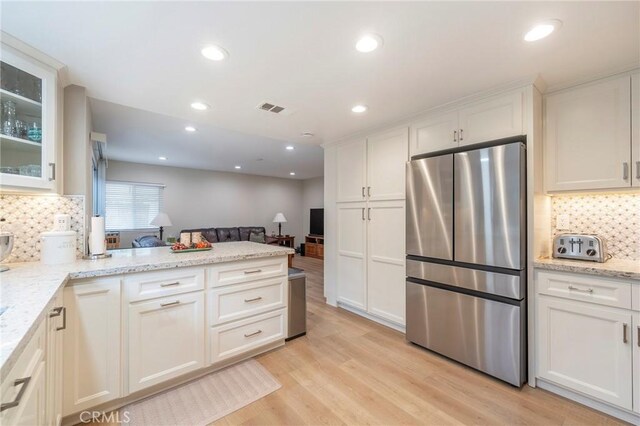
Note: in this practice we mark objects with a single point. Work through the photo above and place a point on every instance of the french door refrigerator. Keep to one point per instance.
(466, 256)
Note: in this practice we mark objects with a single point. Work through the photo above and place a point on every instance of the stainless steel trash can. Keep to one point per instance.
(297, 304)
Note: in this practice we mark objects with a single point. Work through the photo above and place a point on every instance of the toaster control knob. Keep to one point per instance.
(591, 252)
(562, 250)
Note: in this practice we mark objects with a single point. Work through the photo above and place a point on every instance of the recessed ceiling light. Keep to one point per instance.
(215, 53)
(292, 173)
(359, 109)
(307, 135)
(368, 43)
(162, 158)
(542, 30)
(200, 106)
(289, 148)
(190, 129)
(238, 167)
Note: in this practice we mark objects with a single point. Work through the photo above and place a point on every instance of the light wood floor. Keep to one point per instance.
(349, 370)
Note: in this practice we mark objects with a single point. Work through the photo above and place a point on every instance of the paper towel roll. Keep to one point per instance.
(97, 238)
(62, 222)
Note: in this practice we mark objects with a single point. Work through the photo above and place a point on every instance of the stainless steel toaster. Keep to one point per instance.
(580, 247)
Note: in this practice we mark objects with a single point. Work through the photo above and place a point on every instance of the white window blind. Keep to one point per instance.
(131, 205)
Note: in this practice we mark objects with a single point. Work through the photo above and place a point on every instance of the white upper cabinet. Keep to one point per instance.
(495, 118)
(386, 155)
(351, 167)
(28, 122)
(588, 137)
(635, 129)
(435, 133)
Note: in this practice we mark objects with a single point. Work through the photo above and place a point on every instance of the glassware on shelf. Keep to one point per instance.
(32, 170)
(21, 129)
(35, 132)
(10, 170)
(9, 118)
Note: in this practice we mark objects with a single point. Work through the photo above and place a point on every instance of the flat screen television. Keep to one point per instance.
(316, 222)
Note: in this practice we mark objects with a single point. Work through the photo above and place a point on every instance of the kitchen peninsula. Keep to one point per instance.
(138, 322)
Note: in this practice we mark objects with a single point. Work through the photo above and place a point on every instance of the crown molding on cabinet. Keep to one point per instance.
(626, 70)
(21, 48)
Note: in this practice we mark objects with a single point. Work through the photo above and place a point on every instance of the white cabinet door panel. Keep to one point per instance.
(587, 137)
(56, 323)
(635, 331)
(387, 154)
(496, 118)
(352, 158)
(434, 133)
(385, 261)
(352, 255)
(584, 347)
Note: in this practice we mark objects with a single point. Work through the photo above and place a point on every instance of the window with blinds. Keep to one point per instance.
(131, 205)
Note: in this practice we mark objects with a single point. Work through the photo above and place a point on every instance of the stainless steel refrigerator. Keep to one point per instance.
(466, 256)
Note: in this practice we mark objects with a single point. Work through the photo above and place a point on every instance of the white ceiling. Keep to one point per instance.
(301, 55)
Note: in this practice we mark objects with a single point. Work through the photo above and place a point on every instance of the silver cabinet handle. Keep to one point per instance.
(624, 333)
(170, 284)
(253, 300)
(368, 191)
(638, 170)
(589, 290)
(255, 333)
(24, 382)
(461, 137)
(455, 136)
(369, 213)
(363, 213)
(625, 171)
(255, 271)
(177, 302)
(56, 313)
(363, 192)
(53, 171)
(638, 340)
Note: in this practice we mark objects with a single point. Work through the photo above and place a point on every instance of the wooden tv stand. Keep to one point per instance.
(314, 246)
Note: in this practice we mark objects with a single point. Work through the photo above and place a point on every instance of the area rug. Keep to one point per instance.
(206, 399)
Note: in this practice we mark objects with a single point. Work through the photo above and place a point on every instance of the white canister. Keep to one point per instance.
(57, 247)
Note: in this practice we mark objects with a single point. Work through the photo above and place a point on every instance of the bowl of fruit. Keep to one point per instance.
(183, 248)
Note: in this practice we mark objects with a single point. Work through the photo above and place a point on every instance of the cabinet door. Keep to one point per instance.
(387, 155)
(91, 344)
(166, 339)
(33, 401)
(352, 255)
(587, 137)
(385, 260)
(635, 129)
(351, 168)
(584, 348)
(435, 133)
(496, 118)
(56, 325)
(635, 331)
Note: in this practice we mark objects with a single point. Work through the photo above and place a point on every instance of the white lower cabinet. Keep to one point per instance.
(56, 324)
(92, 343)
(636, 362)
(166, 338)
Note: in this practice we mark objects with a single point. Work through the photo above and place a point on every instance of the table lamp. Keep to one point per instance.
(161, 220)
(279, 219)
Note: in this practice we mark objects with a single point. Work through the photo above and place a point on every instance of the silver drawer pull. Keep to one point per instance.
(170, 284)
(624, 333)
(255, 333)
(177, 302)
(638, 340)
(56, 313)
(253, 300)
(589, 290)
(255, 271)
(24, 382)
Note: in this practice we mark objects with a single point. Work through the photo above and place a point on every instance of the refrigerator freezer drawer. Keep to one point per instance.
(511, 286)
(481, 333)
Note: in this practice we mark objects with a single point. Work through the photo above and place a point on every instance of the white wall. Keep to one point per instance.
(202, 198)
(312, 198)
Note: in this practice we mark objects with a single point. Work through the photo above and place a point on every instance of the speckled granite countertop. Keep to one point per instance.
(615, 268)
(27, 289)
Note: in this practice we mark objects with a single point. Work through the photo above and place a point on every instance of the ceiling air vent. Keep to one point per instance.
(276, 109)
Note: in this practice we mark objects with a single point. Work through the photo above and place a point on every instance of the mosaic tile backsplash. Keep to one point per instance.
(616, 217)
(29, 215)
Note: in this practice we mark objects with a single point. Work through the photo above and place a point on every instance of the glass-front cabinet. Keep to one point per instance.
(27, 124)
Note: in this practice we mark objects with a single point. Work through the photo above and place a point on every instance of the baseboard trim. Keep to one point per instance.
(371, 317)
(619, 413)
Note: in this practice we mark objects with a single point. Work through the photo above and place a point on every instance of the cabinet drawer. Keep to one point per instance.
(240, 301)
(242, 336)
(150, 285)
(599, 290)
(246, 271)
(25, 371)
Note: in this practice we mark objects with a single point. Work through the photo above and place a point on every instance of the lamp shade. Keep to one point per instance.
(161, 219)
(279, 218)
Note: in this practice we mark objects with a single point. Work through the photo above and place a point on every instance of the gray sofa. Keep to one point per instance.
(241, 233)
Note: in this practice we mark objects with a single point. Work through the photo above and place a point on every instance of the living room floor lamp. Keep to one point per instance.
(161, 220)
(279, 219)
